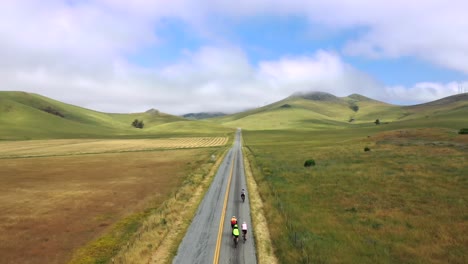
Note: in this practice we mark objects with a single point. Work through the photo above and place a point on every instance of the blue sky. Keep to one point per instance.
(189, 56)
(271, 37)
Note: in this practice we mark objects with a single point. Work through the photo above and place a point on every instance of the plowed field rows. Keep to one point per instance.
(38, 148)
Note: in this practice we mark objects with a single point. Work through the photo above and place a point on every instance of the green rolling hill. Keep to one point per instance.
(320, 110)
(32, 116)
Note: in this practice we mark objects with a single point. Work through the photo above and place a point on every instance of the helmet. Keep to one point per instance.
(233, 216)
(244, 222)
(236, 226)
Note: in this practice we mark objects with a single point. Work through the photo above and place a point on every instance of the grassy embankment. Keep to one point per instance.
(404, 201)
(260, 232)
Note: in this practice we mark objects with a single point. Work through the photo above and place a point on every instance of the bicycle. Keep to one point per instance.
(236, 241)
(244, 236)
(243, 197)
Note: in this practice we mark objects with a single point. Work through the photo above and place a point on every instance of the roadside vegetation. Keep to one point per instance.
(264, 247)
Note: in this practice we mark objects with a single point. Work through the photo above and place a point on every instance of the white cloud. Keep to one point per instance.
(209, 79)
(422, 92)
(322, 71)
(76, 51)
(222, 79)
(431, 30)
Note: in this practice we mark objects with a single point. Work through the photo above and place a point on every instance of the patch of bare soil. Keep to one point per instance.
(422, 137)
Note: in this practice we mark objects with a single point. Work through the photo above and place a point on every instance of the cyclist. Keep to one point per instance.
(233, 221)
(244, 230)
(235, 234)
(243, 195)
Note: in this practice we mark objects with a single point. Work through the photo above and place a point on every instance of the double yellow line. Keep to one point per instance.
(223, 214)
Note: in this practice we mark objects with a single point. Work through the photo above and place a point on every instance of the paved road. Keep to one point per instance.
(200, 243)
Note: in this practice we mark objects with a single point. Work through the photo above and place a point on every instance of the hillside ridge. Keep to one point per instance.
(28, 115)
(33, 116)
(446, 100)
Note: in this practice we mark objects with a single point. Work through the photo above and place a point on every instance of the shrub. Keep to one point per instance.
(309, 163)
(463, 131)
(366, 149)
(377, 122)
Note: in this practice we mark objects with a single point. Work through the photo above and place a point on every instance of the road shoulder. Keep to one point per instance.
(265, 252)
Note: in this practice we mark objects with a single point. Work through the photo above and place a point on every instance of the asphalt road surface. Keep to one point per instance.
(208, 239)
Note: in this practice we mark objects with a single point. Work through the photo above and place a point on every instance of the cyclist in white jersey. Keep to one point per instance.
(244, 230)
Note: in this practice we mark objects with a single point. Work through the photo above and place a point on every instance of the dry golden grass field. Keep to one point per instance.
(52, 205)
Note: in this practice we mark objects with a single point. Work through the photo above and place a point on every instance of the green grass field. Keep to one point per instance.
(402, 202)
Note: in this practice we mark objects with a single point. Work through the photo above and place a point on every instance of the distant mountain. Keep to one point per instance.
(202, 115)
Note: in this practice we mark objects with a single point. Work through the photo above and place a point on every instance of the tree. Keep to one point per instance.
(138, 124)
(377, 122)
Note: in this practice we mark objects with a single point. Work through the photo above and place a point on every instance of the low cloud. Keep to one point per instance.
(214, 79)
(322, 71)
(422, 92)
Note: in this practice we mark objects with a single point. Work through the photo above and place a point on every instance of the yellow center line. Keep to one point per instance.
(223, 214)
